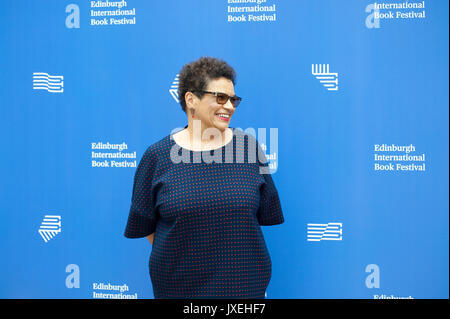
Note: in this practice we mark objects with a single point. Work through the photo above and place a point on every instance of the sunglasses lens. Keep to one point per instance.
(222, 98)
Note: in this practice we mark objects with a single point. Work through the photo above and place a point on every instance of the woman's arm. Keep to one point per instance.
(150, 238)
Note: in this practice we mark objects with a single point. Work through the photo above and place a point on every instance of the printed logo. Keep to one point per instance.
(394, 10)
(73, 279)
(323, 74)
(372, 20)
(50, 227)
(111, 13)
(174, 88)
(330, 231)
(51, 83)
(390, 297)
(373, 279)
(248, 11)
(73, 19)
(113, 159)
(112, 291)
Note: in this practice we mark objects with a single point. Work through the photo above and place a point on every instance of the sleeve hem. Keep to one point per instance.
(278, 222)
(133, 236)
(139, 226)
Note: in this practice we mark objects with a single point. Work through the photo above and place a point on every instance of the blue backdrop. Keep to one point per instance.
(391, 66)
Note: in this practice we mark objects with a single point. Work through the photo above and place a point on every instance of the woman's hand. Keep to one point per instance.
(150, 238)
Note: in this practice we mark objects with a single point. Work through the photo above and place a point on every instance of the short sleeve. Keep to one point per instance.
(269, 212)
(142, 218)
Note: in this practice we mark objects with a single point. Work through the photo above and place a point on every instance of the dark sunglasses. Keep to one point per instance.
(223, 98)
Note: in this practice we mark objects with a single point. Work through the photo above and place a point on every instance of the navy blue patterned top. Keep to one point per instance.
(207, 216)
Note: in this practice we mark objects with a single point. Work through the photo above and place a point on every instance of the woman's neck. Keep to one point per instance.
(199, 136)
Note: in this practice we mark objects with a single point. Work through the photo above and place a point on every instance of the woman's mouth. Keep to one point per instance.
(223, 116)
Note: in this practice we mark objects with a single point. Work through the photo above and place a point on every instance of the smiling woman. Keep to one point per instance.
(204, 218)
(206, 92)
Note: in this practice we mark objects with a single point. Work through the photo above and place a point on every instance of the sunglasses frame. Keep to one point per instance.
(229, 98)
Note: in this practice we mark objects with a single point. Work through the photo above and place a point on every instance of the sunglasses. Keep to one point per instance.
(223, 98)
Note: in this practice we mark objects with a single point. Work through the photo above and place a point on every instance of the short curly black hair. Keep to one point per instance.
(196, 75)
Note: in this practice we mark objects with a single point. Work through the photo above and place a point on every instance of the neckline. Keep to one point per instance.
(209, 150)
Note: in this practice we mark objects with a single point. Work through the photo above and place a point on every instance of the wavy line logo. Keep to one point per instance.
(50, 83)
(174, 88)
(327, 78)
(330, 231)
(50, 227)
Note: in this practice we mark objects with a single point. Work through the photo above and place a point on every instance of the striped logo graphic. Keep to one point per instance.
(323, 74)
(50, 227)
(330, 231)
(43, 81)
(174, 89)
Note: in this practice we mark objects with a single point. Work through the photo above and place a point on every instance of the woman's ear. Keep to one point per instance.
(189, 97)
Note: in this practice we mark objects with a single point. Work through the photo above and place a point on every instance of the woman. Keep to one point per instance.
(203, 218)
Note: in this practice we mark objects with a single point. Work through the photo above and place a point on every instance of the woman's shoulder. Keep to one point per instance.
(246, 141)
(158, 148)
(247, 137)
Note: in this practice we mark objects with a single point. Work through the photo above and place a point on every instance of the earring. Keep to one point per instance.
(193, 111)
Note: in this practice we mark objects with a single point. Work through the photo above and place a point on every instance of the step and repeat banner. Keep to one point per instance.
(350, 98)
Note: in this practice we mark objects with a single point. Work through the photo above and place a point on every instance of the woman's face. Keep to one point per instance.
(207, 108)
